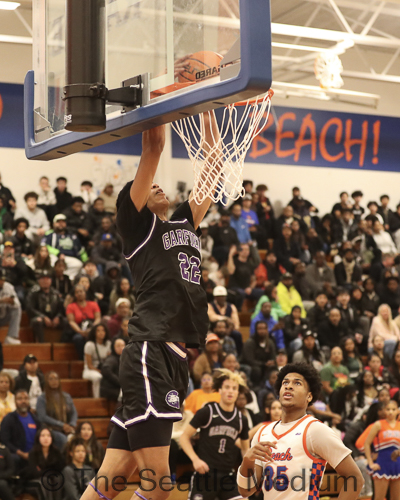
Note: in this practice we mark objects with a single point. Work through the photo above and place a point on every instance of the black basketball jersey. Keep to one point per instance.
(164, 258)
(219, 431)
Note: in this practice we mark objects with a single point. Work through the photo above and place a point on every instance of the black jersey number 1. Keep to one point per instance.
(190, 268)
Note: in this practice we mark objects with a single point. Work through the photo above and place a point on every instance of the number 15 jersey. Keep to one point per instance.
(164, 259)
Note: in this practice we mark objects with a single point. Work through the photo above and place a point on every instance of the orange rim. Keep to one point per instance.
(254, 100)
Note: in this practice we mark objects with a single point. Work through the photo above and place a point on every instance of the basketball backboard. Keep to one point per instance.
(148, 38)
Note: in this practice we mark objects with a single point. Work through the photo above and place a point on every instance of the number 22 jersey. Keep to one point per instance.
(164, 259)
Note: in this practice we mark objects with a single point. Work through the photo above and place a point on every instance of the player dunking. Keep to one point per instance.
(221, 424)
(287, 458)
(170, 314)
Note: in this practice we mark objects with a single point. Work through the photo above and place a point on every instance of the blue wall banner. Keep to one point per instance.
(12, 125)
(292, 136)
(295, 136)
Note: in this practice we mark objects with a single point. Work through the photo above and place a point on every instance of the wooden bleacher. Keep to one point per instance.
(62, 358)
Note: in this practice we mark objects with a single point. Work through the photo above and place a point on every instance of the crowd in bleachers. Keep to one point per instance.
(297, 286)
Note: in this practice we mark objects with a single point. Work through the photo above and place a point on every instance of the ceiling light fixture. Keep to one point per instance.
(9, 5)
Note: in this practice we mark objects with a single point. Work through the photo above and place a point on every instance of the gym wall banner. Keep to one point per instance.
(296, 136)
(293, 136)
(12, 125)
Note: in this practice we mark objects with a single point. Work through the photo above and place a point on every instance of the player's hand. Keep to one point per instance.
(261, 451)
(153, 140)
(200, 466)
(375, 467)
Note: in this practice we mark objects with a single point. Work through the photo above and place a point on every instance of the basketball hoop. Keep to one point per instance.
(218, 168)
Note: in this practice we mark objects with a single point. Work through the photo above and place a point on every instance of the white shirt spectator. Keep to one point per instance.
(37, 220)
(384, 242)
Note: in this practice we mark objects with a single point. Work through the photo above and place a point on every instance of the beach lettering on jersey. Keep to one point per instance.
(181, 237)
(282, 456)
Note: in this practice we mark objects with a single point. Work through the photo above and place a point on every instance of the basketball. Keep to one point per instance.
(200, 66)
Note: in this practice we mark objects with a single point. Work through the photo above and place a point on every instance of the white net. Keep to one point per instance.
(218, 162)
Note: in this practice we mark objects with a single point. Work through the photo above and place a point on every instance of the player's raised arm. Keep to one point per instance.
(153, 141)
(213, 162)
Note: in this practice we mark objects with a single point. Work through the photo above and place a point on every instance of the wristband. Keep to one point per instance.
(247, 483)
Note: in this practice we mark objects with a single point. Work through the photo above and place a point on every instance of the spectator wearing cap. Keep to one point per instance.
(259, 353)
(44, 305)
(63, 197)
(123, 310)
(382, 238)
(30, 379)
(78, 221)
(18, 430)
(87, 194)
(107, 226)
(239, 224)
(357, 209)
(210, 359)
(274, 326)
(287, 251)
(221, 309)
(309, 352)
(37, 218)
(257, 232)
(110, 198)
(106, 251)
(23, 246)
(65, 245)
(320, 277)
(288, 296)
(242, 263)
(224, 237)
(348, 271)
(10, 309)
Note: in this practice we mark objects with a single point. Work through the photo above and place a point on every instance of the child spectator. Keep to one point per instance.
(76, 474)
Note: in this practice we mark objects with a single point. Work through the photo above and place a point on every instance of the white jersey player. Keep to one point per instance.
(287, 459)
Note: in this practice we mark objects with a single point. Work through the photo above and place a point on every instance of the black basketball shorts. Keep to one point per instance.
(154, 378)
